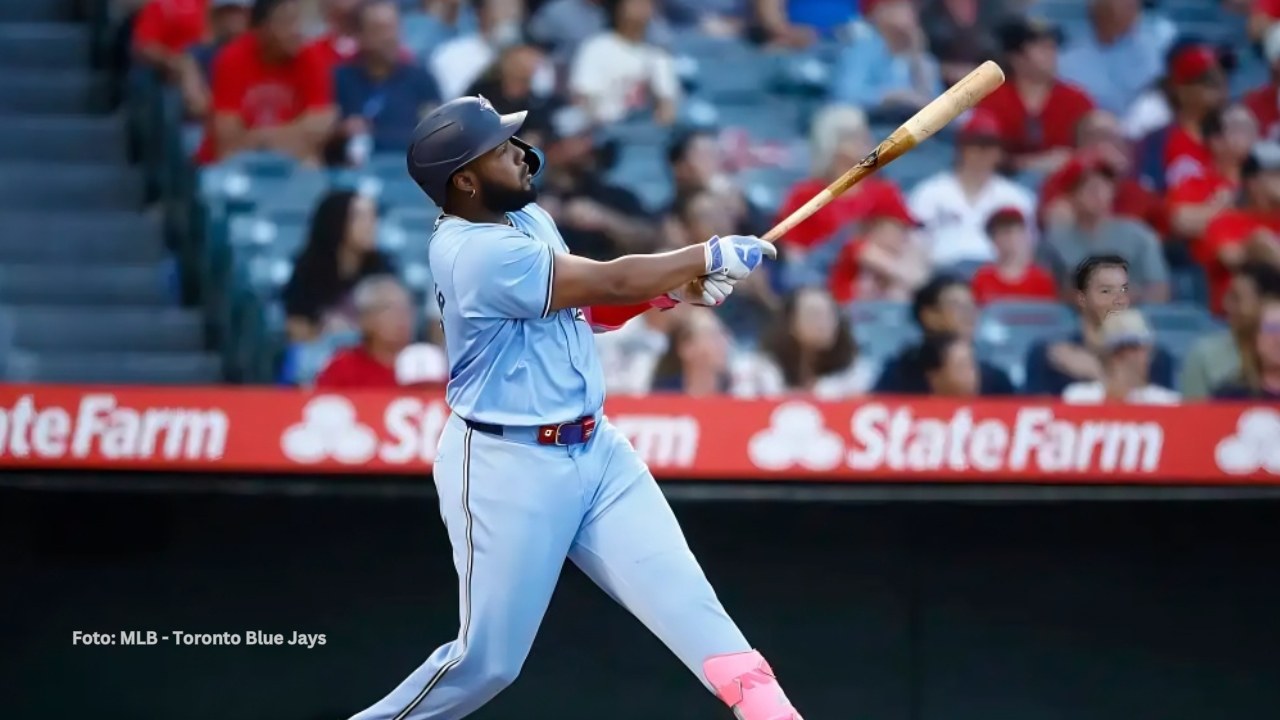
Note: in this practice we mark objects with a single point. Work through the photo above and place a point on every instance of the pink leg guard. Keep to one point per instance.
(745, 682)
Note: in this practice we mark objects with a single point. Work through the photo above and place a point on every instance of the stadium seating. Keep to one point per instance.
(87, 287)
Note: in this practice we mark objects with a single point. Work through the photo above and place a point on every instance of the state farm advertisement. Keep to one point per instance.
(873, 440)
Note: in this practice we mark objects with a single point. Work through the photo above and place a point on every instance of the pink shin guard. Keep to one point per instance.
(745, 682)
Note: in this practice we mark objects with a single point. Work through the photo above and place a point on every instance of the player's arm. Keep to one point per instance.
(509, 275)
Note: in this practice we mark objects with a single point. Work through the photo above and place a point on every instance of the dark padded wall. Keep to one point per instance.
(889, 612)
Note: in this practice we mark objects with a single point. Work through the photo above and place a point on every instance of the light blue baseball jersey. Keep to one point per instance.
(512, 361)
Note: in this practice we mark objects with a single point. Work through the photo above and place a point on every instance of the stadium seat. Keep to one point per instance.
(69, 329)
(303, 361)
(184, 368)
(75, 284)
(882, 328)
(1179, 317)
(1009, 326)
(44, 46)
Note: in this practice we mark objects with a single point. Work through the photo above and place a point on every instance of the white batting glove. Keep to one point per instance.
(715, 288)
(737, 255)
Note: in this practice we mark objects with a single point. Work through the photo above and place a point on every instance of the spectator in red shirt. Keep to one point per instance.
(1264, 102)
(267, 93)
(1197, 87)
(1038, 112)
(228, 19)
(338, 44)
(165, 29)
(1100, 139)
(1229, 134)
(1013, 276)
(885, 262)
(1250, 231)
(386, 329)
(839, 138)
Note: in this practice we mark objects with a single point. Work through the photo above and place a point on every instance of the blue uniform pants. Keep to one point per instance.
(514, 511)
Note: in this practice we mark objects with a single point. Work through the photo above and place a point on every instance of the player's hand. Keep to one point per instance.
(737, 255)
(709, 291)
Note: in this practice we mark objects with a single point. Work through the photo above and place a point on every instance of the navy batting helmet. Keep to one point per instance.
(458, 132)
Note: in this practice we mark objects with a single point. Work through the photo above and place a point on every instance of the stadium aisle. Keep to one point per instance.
(85, 293)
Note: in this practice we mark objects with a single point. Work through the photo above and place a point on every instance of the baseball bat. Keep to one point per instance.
(932, 117)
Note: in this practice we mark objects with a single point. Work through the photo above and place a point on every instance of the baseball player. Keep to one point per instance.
(528, 469)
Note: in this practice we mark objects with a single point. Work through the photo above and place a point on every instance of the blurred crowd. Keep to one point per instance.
(1109, 161)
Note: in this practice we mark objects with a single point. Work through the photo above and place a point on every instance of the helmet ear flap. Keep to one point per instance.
(533, 157)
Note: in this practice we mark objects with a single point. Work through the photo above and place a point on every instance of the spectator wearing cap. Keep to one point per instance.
(461, 60)
(887, 67)
(1101, 286)
(1216, 360)
(228, 19)
(1264, 102)
(337, 44)
(942, 306)
(267, 93)
(618, 73)
(1117, 54)
(885, 262)
(1038, 112)
(1095, 230)
(1099, 139)
(380, 93)
(385, 357)
(838, 139)
(1229, 134)
(1248, 231)
(1153, 109)
(954, 204)
(1261, 379)
(1263, 15)
(1197, 86)
(1013, 275)
(165, 29)
(1125, 356)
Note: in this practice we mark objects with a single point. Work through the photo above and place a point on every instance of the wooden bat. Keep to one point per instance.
(932, 117)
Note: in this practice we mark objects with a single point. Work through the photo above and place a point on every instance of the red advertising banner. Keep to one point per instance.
(871, 440)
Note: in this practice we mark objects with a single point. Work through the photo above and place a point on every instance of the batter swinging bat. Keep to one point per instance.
(932, 117)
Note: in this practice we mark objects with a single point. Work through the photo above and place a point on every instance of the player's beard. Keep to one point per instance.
(498, 199)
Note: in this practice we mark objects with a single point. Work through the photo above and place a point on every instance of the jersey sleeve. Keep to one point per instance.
(504, 276)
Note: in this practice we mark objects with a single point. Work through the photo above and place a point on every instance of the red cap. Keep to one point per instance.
(982, 126)
(890, 206)
(1193, 62)
(1006, 216)
(1086, 163)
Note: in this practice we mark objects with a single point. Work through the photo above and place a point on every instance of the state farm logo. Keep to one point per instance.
(796, 436)
(887, 438)
(98, 426)
(331, 429)
(1254, 447)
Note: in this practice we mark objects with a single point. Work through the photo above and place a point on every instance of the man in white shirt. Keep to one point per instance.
(617, 72)
(954, 205)
(1127, 341)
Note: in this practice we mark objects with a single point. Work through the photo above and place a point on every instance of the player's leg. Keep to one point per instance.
(511, 512)
(631, 545)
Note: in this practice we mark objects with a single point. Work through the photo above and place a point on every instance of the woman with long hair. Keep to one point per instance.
(701, 361)
(341, 250)
(811, 346)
